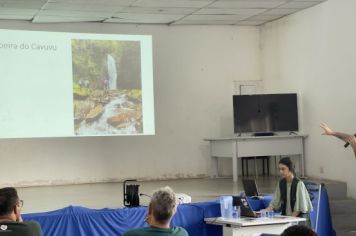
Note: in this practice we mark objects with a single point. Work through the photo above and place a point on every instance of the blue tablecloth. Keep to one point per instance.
(80, 221)
(262, 203)
(321, 216)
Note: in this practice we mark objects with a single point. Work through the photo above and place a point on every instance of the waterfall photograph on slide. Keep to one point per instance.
(107, 89)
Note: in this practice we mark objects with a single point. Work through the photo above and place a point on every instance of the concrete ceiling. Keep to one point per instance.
(166, 12)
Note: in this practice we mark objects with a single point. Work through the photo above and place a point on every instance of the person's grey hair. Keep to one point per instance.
(163, 204)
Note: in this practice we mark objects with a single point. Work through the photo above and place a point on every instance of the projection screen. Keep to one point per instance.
(72, 84)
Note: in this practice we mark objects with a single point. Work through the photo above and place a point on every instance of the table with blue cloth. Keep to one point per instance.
(80, 221)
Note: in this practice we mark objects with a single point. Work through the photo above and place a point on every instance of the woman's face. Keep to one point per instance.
(284, 170)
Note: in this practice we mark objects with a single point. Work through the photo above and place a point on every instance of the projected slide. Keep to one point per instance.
(67, 84)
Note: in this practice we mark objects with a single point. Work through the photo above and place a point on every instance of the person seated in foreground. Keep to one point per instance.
(295, 230)
(298, 230)
(160, 213)
(10, 216)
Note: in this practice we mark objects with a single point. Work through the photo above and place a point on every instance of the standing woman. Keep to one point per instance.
(291, 196)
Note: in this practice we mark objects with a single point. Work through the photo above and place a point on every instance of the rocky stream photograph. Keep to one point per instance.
(107, 93)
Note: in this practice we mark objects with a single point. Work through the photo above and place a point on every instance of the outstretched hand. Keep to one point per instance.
(326, 129)
(351, 139)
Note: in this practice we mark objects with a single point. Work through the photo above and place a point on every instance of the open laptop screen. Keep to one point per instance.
(250, 187)
(245, 207)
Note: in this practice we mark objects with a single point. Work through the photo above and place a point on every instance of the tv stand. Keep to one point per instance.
(259, 134)
(252, 146)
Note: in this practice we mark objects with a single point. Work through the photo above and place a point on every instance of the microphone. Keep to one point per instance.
(347, 144)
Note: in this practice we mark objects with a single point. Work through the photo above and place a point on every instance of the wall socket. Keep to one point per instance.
(321, 170)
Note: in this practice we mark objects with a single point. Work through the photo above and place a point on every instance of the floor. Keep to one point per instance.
(110, 195)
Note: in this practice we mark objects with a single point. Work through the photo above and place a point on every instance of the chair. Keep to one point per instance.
(263, 158)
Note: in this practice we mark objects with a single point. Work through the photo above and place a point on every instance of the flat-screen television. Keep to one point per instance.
(261, 113)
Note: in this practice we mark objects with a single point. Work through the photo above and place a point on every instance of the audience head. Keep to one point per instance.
(163, 205)
(10, 204)
(286, 167)
(298, 230)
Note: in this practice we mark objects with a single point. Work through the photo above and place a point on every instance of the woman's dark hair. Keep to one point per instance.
(8, 200)
(298, 230)
(287, 162)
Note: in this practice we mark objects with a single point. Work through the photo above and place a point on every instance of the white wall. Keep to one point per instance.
(194, 70)
(313, 53)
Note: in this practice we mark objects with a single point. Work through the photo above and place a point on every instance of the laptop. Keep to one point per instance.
(245, 207)
(250, 188)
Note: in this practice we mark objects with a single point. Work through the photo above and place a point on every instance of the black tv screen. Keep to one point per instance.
(265, 113)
